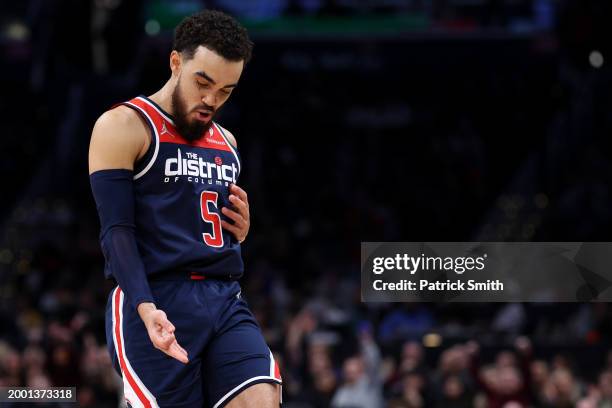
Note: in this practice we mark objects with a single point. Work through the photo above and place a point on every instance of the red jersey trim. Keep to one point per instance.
(167, 132)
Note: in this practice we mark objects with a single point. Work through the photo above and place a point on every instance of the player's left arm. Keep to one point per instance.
(239, 214)
(230, 136)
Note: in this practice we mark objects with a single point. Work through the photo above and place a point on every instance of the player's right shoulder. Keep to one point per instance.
(119, 138)
(120, 119)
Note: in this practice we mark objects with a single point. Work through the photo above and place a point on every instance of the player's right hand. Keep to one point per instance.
(161, 332)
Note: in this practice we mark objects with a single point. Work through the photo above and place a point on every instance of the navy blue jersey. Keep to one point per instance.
(180, 188)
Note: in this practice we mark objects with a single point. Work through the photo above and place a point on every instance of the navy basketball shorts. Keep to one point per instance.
(227, 352)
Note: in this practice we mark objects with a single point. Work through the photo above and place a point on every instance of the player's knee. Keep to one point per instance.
(262, 395)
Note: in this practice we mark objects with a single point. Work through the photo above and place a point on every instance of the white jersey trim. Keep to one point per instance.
(273, 374)
(227, 142)
(155, 136)
(239, 387)
(128, 391)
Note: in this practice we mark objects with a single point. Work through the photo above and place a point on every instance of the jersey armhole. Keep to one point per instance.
(230, 144)
(141, 163)
(233, 148)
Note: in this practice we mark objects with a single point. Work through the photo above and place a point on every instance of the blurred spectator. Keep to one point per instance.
(561, 389)
(605, 389)
(508, 380)
(455, 394)
(362, 385)
(412, 393)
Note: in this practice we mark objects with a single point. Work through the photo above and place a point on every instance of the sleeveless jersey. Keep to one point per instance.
(180, 188)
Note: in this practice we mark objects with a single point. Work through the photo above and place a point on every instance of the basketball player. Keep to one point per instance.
(163, 174)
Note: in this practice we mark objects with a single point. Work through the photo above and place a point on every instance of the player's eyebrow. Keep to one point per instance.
(209, 79)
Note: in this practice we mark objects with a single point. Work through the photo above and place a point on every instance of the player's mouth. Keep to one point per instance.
(203, 115)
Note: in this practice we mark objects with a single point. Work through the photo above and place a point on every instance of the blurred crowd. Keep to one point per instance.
(333, 351)
(330, 355)
(458, 379)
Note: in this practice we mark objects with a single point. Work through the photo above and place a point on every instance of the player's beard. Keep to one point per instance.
(189, 129)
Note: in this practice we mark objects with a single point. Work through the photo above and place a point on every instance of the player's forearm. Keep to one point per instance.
(113, 192)
(122, 256)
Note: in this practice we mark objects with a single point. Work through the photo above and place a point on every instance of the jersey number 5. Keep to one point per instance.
(216, 238)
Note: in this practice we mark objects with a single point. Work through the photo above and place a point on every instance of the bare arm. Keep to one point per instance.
(229, 135)
(119, 138)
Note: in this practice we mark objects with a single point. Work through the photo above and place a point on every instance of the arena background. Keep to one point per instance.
(405, 120)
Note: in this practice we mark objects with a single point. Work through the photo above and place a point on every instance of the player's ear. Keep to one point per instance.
(175, 62)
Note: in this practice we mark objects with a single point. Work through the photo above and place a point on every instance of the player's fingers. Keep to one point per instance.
(160, 319)
(175, 348)
(162, 343)
(240, 226)
(240, 192)
(160, 316)
(162, 322)
(239, 204)
(231, 228)
(166, 339)
(237, 217)
(182, 350)
(178, 353)
(169, 327)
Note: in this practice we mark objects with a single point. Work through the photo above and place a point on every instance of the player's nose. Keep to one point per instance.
(210, 100)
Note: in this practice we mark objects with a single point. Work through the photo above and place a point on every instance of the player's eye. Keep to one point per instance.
(225, 92)
(202, 84)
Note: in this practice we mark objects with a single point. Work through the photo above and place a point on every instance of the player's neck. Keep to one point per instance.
(163, 97)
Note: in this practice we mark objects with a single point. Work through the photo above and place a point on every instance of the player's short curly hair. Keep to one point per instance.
(214, 30)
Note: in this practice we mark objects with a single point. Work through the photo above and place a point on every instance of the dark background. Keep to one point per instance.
(398, 120)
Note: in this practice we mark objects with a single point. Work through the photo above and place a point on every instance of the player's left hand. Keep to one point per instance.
(239, 214)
